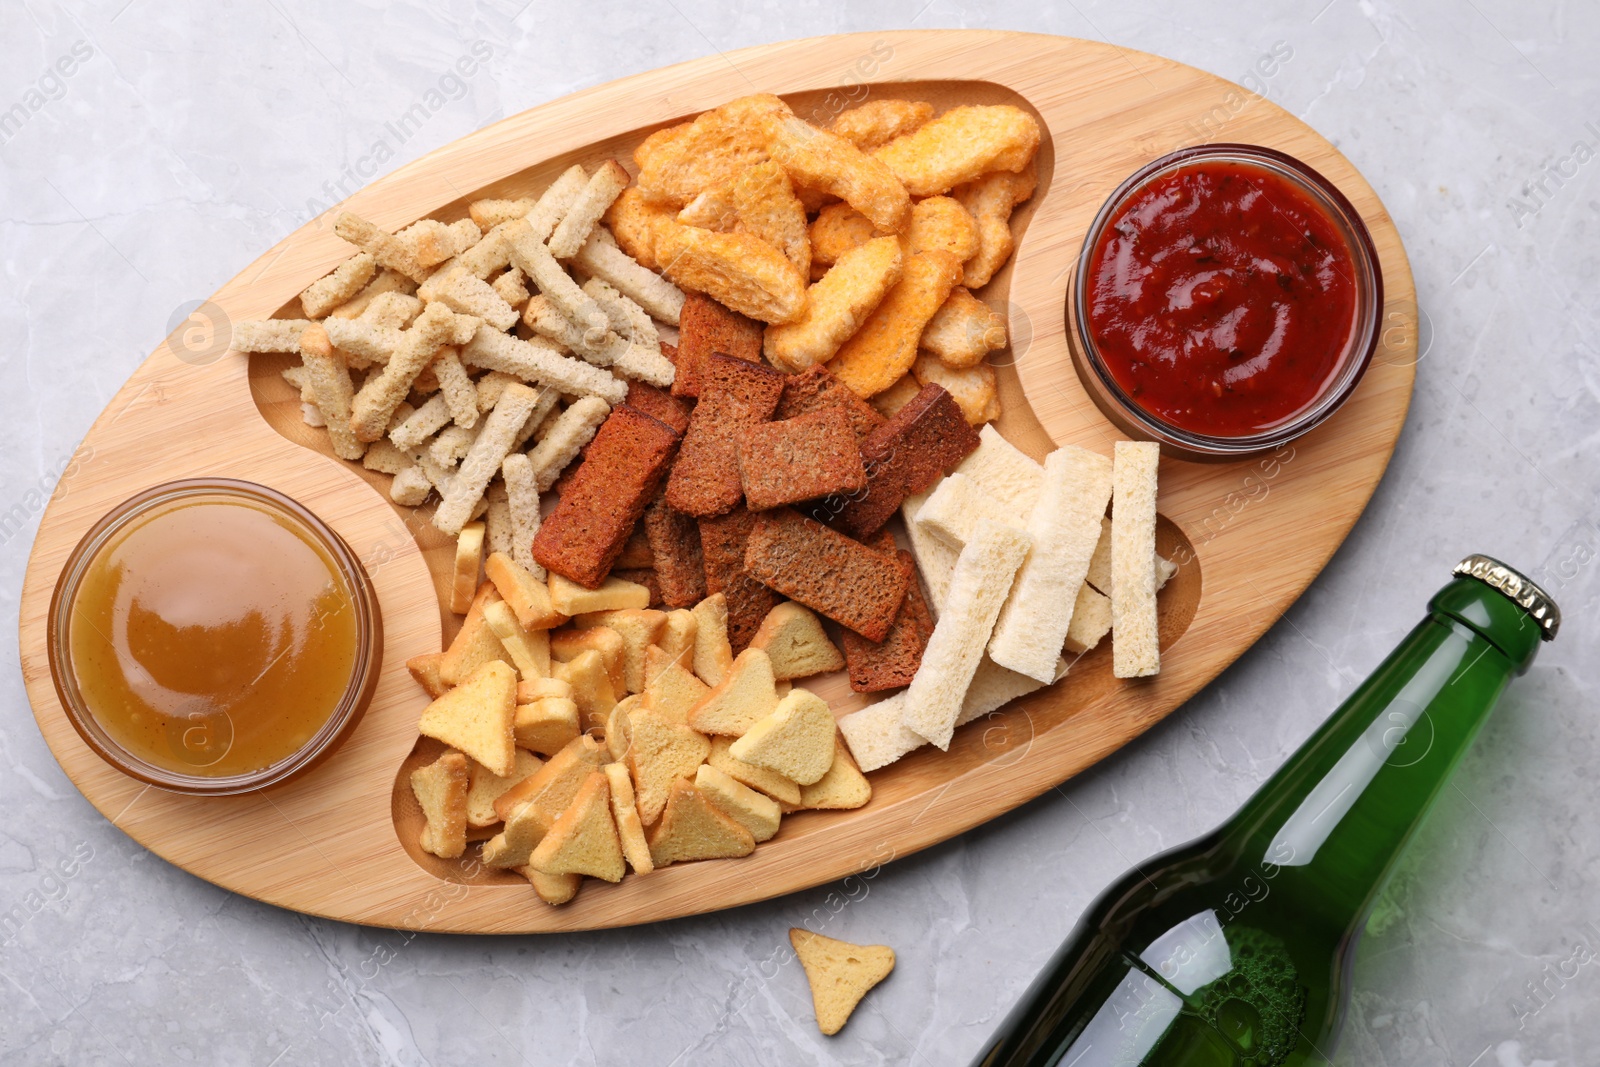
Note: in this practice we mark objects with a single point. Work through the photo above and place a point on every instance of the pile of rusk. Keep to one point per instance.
(670, 419)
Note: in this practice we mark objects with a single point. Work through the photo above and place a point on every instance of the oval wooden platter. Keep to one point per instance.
(339, 842)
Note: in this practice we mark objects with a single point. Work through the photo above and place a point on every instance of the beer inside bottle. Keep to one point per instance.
(1235, 950)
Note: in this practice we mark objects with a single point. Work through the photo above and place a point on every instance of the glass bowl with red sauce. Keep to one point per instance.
(1227, 300)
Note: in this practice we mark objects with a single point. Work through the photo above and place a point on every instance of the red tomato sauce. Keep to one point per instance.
(1221, 298)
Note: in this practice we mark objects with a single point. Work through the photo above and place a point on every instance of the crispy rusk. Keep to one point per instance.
(328, 375)
(673, 690)
(962, 144)
(661, 751)
(973, 389)
(619, 728)
(490, 213)
(991, 199)
(756, 812)
(639, 628)
(591, 687)
(886, 345)
(839, 974)
(441, 789)
(824, 160)
(742, 272)
(475, 643)
(877, 122)
(793, 639)
(964, 331)
(490, 446)
(552, 888)
(570, 598)
(531, 689)
(546, 724)
(568, 644)
(630, 218)
(693, 828)
(382, 393)
(383, 246)
(836, 230)
(529, 649)
(630, 828)
(836, 306)
(485, 787)
(941, 223)
(551, 788)
(783, 790)
(598, 194)
(713, 653)
(842, 788)
(583, 839)
(677, 638)
(897, 395)
(677, 164)
(475, 717)
(760, 202)
(796, 739)
(528, 596)
(347, 279)
(425, 669)
(469, 560)
(745, 696)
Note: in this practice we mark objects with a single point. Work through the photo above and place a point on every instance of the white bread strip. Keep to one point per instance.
(978, 589)
(490, 386)
(955, 505)
(604, 186)
(535, 260)
(497, 520)
(465, 294)
(387, 281)
(512, 288)
(488, 452)
(1091, 620)
(601, 258)
(366, 340)
(877, 737)
(329, 379)
(396, 310)
(555, 201)
(346, 280)
(384, 457)
(421, 424)
(487, 256)
(541, 411)
(523, 497)
(936, 559)
(384, 246)
(312, 415)
(627, 318)
(436, 327)
(1099, 574)
(491, 213)
(1064, 527)
(269, 335)
(542, 363)
(1135, 646)
(1004, 472)
(599, 346)
(410, 487)
(459, 392)
(451, 446)
(572, 429)
(432, 242)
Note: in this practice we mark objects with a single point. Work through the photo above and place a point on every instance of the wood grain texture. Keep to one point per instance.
(1250, 535)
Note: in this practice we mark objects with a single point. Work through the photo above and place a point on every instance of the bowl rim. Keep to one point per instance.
(1359, 349)
(341, 721)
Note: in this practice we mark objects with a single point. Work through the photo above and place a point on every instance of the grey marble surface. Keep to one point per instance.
(185, 141)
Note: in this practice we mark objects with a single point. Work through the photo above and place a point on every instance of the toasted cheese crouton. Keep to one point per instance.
(693, 828)
(796, 739)
(991, 199)
(941, 224)
(839, 973)
(974, 389)
(837, 229)
(885, 347)
(743, 272)
(964, 331)
(821, 159)
(485, 787)
(583, 839)
(630, 218)
(660, 752)
(630, 828)
(678, 163)
(793, 639)
(757, 813)
(877, 122)
(476, 715)
(441, 789)
(745, 695)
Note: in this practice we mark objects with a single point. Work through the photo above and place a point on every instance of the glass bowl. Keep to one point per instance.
(1351, 364)
(346, 568)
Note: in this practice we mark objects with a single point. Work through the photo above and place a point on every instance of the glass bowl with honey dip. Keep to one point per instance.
(213, 637)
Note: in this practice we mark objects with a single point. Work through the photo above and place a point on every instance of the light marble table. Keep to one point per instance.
(185, 141)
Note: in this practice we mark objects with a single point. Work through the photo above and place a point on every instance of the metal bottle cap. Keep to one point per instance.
(1516, 587)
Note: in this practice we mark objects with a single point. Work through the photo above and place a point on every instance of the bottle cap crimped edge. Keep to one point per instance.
(1516, 587)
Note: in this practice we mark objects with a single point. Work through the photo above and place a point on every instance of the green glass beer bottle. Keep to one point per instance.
(1235, 950)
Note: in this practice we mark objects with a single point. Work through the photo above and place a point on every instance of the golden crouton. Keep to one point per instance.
(693, 828)
(793, 639)
(529, 649)
(964, 331)
(942, 224)
(836, 230)
(551, 788)
(974, 389)
(591, 687)
(475, 717)
(570, 598)
(425, 669)
(836, 306)
(739, 271)
(583, 839)
(678, 637)
(639, 628)
(962, 144)
(677, 164)
(630, 217)
(823, 160)
(745, 695)
(897, 396)
(885, 347)
(567, 645)
(661, 751)
(991, 199)
(552, 888)
(796, 740)
(839, 974)
(475, 643)
(441, 789)
(877, 122)
(759, 202)
(672, 690)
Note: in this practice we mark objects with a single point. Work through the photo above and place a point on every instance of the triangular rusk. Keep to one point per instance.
(747, 694)
(485, 787)
(528, 596)
(660, 751)
(475, 644)
(552, 888)
(796, 740)
(584, 838)
(793, 639)
(844, 786)
(783, 790)
(555, 784)
(476, 716)
(693, 828)
(672, 689)
(441, 790)
(840, 974)
(630, 828)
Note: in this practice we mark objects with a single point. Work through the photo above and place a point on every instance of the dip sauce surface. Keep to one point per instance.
(1222, 298)
(213, 637)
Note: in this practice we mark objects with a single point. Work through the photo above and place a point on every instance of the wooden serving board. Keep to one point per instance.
(1250, 536)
